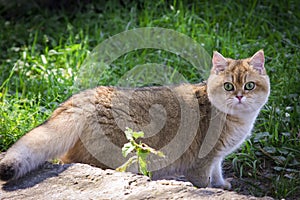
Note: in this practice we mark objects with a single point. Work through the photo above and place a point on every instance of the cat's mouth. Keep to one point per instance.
(242, 107)
(239, 106)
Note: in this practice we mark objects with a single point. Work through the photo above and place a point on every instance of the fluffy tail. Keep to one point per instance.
(47, 141)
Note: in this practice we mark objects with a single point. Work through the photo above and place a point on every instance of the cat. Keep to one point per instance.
(89, 126)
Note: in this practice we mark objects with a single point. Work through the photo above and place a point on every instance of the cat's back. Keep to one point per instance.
(144, 95)
(163, 113)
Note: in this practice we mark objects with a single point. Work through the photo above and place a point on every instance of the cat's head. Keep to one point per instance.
(238, 86)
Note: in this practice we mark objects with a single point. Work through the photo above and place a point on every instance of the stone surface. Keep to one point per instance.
(80, 181)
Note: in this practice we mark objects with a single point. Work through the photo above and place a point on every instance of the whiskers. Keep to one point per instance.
(247, 105)
(229, 104)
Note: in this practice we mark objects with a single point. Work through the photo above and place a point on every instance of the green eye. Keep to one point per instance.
(228, 86)
(249, 86)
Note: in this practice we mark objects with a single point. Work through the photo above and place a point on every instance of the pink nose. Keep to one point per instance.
(239, 98)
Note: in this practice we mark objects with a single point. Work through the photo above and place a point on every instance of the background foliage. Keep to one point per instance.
(43, 44)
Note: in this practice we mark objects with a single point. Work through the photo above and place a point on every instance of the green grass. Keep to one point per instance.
(42, 51)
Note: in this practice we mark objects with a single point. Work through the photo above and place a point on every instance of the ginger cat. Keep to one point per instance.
(197, 125)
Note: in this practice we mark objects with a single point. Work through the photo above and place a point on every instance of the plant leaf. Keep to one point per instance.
(128, 133)
(270, 149)
(129, 162)
(142, 156)
(145, 147)
(137, 135)
(127, 149)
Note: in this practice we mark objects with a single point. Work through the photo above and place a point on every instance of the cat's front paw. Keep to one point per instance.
(224, 184)
(227, 184)
(200, 182)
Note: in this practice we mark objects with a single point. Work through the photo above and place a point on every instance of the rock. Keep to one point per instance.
(81, 181)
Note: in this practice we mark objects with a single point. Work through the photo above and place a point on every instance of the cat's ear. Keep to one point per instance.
(257, 61)
(219, 62)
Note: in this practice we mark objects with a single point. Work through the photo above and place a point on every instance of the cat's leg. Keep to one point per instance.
(217, 179)
(200, 174)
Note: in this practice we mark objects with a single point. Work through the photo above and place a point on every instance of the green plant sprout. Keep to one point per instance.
(142, 151)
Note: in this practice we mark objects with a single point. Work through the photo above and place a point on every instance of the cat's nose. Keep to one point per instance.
(239, 98)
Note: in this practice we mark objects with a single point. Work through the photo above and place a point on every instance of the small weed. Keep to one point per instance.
(142, 151)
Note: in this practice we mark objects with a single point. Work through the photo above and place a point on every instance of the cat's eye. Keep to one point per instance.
(228, 86)
(249, 86)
